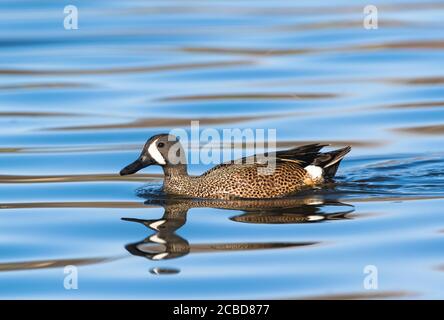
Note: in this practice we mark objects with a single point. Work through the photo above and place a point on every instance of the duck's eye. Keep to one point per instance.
(160, 145)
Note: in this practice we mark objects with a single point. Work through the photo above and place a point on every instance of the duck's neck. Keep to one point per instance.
(177, 181)
(175, 171)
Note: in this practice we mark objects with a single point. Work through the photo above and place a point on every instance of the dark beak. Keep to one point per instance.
(136, 166)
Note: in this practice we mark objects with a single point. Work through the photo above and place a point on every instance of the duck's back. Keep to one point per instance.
(252, 180)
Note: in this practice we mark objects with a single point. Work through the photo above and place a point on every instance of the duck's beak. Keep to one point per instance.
(137, 165)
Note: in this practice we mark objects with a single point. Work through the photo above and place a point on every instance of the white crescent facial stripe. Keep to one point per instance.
(155, 154)
(157, 224)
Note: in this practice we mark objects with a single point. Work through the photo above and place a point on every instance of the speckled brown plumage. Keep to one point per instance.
(241, 179)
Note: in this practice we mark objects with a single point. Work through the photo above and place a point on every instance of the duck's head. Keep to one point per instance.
(161, 149)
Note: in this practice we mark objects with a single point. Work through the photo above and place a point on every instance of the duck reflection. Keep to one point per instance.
(165, 243)
(308, 212)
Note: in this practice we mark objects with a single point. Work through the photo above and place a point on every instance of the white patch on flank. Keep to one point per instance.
(155, 153)
(315, 172)
(315, 218)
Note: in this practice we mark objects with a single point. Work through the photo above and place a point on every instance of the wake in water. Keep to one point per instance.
(398, 177)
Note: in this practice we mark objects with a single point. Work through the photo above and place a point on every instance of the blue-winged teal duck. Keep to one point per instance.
(294, 169)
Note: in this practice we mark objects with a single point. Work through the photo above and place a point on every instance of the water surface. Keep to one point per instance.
(76, 106)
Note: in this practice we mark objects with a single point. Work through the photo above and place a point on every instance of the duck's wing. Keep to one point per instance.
(303, 156)
(329, 161)
(310, 155)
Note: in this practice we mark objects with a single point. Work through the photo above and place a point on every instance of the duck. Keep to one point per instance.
(246, 178)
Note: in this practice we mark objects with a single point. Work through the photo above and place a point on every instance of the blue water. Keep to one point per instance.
(76, 106)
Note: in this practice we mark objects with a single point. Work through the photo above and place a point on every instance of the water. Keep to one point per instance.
(76, 106)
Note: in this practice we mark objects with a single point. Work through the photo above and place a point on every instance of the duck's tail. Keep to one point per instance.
(329, 161)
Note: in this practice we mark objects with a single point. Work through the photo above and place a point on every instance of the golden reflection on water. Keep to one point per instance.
(47, 264)
(77, 178)
(380, 294)
(252, 96)
(123, 70)
(46, 86)
(36, 114)
(170, 122)
(422, 81)
(245, 51)
(283, 10)
(394, 45)
(414, 105)
(78, 204)
(423, 130)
